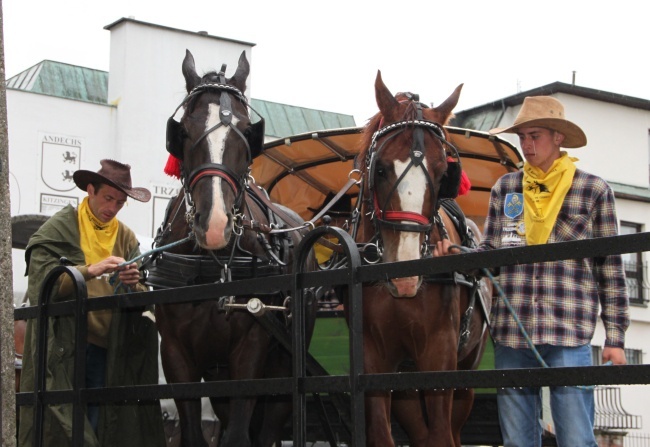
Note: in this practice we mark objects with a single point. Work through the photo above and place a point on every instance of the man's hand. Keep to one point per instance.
(614, 355)
(444, 247)
(128, 274)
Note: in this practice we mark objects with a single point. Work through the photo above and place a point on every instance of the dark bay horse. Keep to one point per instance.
(235, 237)
(411, 174)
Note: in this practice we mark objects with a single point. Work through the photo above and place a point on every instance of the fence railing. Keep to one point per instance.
(300, 384)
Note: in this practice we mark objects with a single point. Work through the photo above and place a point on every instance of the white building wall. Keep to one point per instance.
(145, 86)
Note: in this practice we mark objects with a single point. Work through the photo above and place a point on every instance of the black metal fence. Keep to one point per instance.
(301, 385)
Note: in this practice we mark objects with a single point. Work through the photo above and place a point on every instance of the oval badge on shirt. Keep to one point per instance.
(514, 204)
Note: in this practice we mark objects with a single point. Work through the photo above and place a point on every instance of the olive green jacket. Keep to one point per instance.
(132, 357)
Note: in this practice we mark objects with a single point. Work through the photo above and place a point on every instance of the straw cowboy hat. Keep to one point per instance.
(115, 174)
(548, 112)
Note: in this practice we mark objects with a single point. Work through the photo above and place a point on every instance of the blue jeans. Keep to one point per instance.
(95, 378)
(520, 409)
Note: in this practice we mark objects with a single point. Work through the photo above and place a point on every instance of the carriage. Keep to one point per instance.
(293, 186)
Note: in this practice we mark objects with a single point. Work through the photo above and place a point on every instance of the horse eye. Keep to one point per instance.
(381, 171)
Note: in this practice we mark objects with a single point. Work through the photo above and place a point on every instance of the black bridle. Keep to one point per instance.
(406, 220)
(237, 182)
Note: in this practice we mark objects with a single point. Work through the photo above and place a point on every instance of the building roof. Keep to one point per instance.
(167, 28)
(86, 84)
(488, 116)
(63, 81)
(283, 120)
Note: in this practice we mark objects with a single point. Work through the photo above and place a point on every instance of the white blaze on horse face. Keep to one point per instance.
(411, 195)
(215, 234)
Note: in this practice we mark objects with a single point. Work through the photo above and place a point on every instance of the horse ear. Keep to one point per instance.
(189, 72)
(241, 74)
(448, 105)
(385, 99)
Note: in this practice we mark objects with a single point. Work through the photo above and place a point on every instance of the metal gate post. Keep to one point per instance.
(356, 341)
(40, 362)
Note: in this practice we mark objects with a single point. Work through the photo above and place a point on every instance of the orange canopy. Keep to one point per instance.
(300, 171)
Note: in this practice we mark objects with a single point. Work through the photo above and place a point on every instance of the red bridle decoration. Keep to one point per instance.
(173, 167)
(214, 173)
(408, 216)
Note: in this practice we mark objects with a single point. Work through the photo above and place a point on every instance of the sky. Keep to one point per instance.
(326, 54)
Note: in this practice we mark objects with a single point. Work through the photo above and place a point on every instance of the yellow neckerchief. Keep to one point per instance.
(544, 194)
(96, 238)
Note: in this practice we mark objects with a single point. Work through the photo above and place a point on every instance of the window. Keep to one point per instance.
(635, 271)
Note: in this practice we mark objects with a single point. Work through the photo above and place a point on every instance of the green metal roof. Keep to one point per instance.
(86, 84)
(64, 81)
(283, 120)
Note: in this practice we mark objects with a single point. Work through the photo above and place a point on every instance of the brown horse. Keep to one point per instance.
(234, 238)
(436, 323)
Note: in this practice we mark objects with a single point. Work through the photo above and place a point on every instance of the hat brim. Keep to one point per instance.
(574, 137)
(82, 178)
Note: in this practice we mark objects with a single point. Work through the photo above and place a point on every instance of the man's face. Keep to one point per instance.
(540, 146)
(105, 201)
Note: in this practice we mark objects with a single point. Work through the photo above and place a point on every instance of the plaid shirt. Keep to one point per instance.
(557, 302)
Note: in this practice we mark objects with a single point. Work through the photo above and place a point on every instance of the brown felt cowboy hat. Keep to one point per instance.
(548, 112)
(115, 174)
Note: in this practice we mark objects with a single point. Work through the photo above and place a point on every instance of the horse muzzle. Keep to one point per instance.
(404, 287)
(215, 233)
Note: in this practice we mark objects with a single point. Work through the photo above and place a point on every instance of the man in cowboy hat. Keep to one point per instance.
(122, 348)
(557, 302)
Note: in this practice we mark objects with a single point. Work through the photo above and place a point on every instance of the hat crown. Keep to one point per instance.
(548, 112)
(540, 107)
(112, 173)
(116, 172)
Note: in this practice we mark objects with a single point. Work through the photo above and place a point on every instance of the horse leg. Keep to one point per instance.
(189, 412)
(464, 399)
(378, 433)
(463, 402)
(179, 368)
(247, 360)
(407, 409)
(439, 402)
(276, 409)
(377, 403)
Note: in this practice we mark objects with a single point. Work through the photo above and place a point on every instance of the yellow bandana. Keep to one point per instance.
(96, 238)
(544, 194)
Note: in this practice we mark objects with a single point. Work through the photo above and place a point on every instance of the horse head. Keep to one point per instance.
(215, 141)
(406, 163)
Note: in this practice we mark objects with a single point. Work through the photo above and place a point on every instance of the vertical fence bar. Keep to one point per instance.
(356, 342)
(80, 346)
(40, 363)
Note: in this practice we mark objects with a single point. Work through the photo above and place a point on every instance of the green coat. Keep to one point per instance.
(132, 356)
